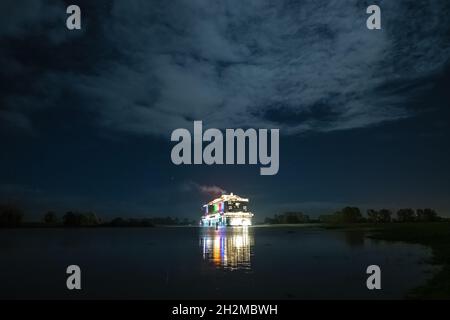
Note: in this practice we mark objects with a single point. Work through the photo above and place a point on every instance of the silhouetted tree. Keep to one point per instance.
(74, 219)
(51, 218)
(70, 219)
(10, 215)
(288, 218)
(167, 221)
(372, 215)
(426, 215)
(349, 215)
(406, 215)
(385, 215)
(117, 222)
(329, 218)
(91, 219)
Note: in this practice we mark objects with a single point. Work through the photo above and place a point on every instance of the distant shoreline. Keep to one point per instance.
(40, 225)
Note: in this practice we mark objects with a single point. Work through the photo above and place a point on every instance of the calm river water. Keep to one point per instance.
(195, 263)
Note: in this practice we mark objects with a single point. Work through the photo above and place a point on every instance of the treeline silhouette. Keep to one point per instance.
(354, 215)
(150, 222)
(288, 218)
(11, 216)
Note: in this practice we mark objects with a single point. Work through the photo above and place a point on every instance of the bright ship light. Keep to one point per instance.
(227, 210)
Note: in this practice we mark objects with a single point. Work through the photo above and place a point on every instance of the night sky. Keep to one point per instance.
(86, 116)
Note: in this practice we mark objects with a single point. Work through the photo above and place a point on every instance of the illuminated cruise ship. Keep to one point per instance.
(227, 210)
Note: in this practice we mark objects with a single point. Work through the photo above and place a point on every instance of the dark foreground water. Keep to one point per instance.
(196, 263)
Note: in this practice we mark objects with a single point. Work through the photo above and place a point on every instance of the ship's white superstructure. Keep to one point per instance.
(227, 210)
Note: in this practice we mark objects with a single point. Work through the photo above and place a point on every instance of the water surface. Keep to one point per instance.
(203, 263)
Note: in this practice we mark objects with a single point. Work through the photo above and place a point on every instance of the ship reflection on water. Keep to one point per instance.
(228, 248)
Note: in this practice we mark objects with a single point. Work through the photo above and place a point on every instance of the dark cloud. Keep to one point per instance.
(148, 67)
(22, 17)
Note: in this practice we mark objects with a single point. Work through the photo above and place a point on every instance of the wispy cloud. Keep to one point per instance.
(298, 65)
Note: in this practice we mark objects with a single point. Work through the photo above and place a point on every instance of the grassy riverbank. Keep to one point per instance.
(435, 235)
